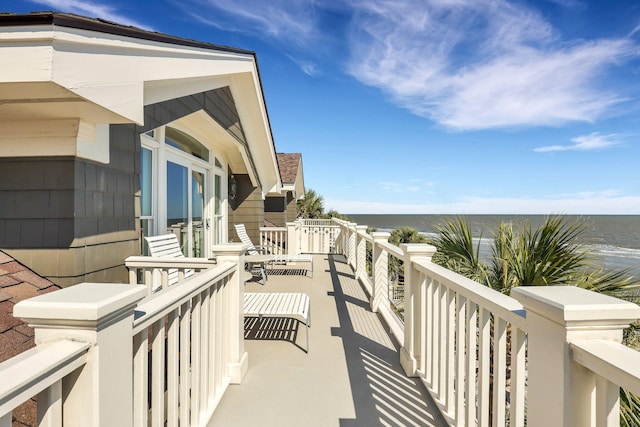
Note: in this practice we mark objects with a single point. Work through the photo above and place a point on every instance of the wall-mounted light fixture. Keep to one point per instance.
(233, 188)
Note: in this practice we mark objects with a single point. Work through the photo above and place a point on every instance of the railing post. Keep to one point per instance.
(351, 258)
(380, 270)
(293, 239)
(414, 308)
(101, 393)
(560, 392)
(238, 358)
(361, 253)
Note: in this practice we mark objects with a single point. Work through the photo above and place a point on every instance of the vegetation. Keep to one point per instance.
(398, 236)
(312, 207)
(553, 254)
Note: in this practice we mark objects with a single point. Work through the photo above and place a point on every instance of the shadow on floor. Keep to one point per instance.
(382, 393)
(273, 329)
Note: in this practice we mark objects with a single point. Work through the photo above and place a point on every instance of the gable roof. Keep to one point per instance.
(77, 71)
(288, 164)
(70, 20)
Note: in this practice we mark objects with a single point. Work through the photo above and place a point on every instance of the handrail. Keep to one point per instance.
(36, 369)
(166, 262)
(503, 305)
(156, 306)
(616, 362)
(392, 249)
(273, 228)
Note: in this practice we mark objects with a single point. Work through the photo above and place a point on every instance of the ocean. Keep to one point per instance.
(614, 239)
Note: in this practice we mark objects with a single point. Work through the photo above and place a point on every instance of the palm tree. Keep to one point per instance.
(456, 251)
(312, 206)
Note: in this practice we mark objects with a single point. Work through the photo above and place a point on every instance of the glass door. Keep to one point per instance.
(197, 213)
(186, 192)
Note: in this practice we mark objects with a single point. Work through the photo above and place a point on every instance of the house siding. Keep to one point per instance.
(73, 220)
(247, 209)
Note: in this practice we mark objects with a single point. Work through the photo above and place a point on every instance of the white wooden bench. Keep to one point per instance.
(267, 304)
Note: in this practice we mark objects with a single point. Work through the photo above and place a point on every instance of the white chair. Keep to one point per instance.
(282, 258)
(268, 304)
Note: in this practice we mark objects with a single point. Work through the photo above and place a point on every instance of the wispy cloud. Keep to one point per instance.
(593, 141)
(293, 22)
(91, 9)
(591, 203)
(479, 64)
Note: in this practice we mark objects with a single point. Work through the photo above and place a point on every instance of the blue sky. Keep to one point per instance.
(435, 106)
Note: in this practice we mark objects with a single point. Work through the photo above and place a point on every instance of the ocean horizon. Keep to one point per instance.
(615, 239)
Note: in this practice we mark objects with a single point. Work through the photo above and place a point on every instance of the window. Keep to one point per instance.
(182, 190)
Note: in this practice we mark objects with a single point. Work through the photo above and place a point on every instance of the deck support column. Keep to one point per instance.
(560, 391)
(101, 392)
(238, 358)
(293, 237)
(414, 306)
(380, 270)
(361, 253)
(351, 246)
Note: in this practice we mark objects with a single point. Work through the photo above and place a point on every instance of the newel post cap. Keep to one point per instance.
(86, 303)
(571, 305)
(418, 250)
(381, 235)
(230, 249)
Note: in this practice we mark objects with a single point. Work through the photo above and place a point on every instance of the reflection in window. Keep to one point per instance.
(177, 203)
(186, 143)
(146, 196)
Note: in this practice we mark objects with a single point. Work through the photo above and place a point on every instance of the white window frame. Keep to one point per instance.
(161, 154)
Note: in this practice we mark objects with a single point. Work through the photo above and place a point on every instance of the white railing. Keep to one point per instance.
(489, 359)
(613, 365)
(274, 240)
(317, 236)
(464, 334)
(185, 344)
(180, 342)
(40, 372)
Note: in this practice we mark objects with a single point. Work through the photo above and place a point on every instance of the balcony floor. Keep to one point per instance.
(351, 375)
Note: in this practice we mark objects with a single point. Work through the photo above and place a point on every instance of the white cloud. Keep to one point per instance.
(479, 64)
(293, 22)
(593, 141)
(91, 9)
(593, 203)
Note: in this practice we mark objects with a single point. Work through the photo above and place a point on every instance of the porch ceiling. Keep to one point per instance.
(23, 101)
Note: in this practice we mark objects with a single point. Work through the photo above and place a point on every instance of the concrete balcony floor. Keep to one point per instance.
(351, 375)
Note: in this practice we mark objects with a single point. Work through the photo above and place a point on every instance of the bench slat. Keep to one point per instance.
(287, 304)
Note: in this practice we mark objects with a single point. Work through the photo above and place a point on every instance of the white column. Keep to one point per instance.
(414, 307)
(237, 356)
(292, 238)
(351, 258)
(101, 393)
(361, 253)
(560, 392)
(380, 270)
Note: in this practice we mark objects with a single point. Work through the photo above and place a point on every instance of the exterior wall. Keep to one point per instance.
(68, 219)
(280, 210)
(73, 220)
(247, 209)
(292, 209)
(275, 210)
